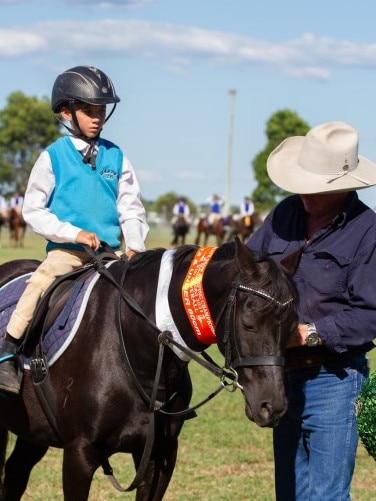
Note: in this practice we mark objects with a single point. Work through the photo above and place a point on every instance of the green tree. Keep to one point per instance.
(27, 126)
(165, 203)
(282, 124)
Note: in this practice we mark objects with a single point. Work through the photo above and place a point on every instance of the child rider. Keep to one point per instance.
(82, 190)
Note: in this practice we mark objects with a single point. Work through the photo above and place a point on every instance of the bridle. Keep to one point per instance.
(230, 329)
(165, 338)
(228, 375)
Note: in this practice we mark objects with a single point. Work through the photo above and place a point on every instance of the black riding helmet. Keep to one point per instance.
(86, 84)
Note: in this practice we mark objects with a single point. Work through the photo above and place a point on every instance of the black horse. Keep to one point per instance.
(180, 229)
(123, 386)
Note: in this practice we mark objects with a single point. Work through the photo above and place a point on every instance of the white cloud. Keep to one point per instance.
(179, 47)
(110, 4)
(19, 43)
(106, 4)
(144, 175)
(189, 175)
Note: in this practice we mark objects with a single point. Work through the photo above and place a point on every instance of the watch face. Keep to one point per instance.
(312, 339)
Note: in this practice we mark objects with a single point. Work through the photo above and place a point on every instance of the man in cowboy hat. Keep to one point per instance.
(315, 442)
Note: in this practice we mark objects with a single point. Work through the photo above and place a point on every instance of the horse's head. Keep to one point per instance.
(255, 326)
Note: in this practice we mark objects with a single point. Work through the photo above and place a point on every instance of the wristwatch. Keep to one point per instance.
(312, 339)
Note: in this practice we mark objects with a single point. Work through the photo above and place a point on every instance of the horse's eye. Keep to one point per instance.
(249, 321)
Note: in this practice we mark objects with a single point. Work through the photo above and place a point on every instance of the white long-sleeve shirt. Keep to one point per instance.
(132, 216)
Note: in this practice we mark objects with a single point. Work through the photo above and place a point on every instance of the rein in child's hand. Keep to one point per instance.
(89, 238)
(130, 253)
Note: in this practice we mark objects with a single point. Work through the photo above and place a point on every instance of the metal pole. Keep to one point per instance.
(227, 205)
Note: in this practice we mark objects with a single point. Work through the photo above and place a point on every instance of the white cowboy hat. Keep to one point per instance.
(324, 161)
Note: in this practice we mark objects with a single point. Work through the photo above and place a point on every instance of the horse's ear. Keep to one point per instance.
(243, 253)
(239, 245)
(291, 262)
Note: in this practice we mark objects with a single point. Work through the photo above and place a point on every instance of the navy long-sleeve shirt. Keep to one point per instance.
(336, 275)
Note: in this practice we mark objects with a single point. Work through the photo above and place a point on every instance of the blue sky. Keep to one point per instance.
(173, 63)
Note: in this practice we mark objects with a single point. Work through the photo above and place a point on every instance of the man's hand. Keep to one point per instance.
(299, 336)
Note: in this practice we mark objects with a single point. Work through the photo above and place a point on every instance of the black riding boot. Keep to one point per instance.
(8, 375)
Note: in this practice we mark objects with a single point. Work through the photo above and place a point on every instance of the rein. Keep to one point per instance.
(151, 402)
(228, 375)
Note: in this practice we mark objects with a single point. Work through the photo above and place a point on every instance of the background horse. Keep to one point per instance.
(244, 227)
(117, 390)
(3, 220)
(17, 228)
(180, 229)
(204, 230)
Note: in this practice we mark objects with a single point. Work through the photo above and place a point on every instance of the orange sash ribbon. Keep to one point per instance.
(193, 297)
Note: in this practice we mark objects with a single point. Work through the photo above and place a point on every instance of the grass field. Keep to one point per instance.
(222, 456)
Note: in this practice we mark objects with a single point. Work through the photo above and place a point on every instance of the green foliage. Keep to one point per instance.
(27, 126)
(366, 415)
(282, 124)
(165, 203)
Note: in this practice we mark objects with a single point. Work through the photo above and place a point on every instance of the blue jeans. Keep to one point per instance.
(316, 440)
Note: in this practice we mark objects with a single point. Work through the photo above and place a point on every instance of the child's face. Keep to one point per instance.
(90, 118)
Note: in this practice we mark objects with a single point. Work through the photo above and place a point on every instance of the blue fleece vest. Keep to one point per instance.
(83, 196)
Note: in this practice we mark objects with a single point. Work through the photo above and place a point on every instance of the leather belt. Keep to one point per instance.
(316, 360)
(303, 362)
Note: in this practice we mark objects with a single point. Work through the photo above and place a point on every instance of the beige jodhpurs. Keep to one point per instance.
(57, 263)
(213, 218)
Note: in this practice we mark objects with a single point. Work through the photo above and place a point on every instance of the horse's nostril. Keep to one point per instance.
(266, 409)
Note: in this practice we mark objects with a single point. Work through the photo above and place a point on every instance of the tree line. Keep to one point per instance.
(27, 127)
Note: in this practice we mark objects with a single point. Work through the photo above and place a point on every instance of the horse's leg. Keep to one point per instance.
(18, 468)
(22, 236)
(197, 241)
(17, 236)
(3, 450)
(159, 472)
(220, 238)
(80, 462)
(206, 238)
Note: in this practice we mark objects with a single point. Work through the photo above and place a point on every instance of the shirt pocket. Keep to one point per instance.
(327, 272)
(278, 247)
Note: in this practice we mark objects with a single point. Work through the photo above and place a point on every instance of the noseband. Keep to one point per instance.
(230, 329)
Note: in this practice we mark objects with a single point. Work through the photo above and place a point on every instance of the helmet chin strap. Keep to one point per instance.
(89, 140)
(75, 121)
(89, 157)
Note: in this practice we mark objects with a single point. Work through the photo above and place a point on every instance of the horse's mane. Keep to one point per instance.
(264, 273)
(183, 251)
(147, 257)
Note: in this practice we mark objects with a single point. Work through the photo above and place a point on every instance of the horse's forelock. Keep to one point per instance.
(270, 276)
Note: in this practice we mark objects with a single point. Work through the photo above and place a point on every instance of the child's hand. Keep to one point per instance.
(130, 253)
(88, 238)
